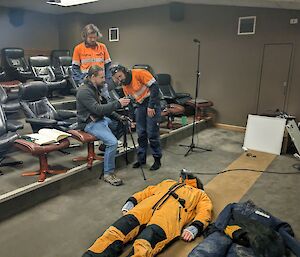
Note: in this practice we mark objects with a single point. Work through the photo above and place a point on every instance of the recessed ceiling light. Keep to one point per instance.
(66, 3)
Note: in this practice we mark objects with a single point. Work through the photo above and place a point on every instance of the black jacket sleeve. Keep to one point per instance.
(154, 100)
(87, 99)
(107, 70)
(78, 76)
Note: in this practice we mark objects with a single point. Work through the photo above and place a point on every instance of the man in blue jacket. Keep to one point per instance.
(243, 229)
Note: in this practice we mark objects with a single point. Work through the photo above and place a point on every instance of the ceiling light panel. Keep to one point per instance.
(66, 3)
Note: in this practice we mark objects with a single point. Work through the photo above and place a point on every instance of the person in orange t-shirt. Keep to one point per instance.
(141, 86)
(89, 53)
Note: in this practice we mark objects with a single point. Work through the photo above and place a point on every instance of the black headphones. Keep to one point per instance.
(118, 67)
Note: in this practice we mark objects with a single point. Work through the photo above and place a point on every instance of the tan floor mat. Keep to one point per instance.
(224, 189)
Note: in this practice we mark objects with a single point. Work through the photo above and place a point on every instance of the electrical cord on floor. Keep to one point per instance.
(259, 171)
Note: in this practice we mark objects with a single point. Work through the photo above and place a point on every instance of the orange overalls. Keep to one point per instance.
(164, 209)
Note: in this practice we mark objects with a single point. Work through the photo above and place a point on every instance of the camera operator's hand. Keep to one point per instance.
(124, 101)
(150, 112)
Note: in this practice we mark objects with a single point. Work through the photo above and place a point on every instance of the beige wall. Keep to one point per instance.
(230, 65)
(70, 26)
(39, 31)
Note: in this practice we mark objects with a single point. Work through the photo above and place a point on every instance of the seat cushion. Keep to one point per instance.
(82, 136)
(173, 109)
(12, 106)
(57, 84)
(37, 150)
(200, 103)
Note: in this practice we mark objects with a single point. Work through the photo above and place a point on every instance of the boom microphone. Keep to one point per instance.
(196, 40)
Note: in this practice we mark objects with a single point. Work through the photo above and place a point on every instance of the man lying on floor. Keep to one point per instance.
(162, 210)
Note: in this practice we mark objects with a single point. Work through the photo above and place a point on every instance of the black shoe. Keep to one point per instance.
(156, 165)
(138, 164)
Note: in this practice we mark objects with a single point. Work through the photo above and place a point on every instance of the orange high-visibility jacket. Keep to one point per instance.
(85, 57)
(139, 85)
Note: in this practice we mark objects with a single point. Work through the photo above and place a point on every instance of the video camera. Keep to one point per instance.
(131, 98)
(131, 106)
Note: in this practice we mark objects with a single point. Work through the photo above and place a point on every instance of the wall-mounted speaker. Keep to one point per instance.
(176, 11)
(16, 16)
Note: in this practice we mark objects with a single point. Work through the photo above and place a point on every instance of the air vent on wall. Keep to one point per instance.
(247, 25)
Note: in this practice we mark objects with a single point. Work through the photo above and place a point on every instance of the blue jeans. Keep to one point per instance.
(101, 130)
(147, 129)
(218, 244)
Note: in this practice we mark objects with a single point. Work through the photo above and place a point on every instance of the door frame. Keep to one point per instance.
(289, 77)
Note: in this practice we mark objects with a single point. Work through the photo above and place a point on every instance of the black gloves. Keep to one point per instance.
(240, 237)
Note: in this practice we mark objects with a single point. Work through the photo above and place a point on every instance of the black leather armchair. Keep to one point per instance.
(168, 92)
(65, 66)
(2, 74)
(145, 67)
(55, 54)
(42, 69)
(15, 64)
(9, 105)
(39, 112)
(4, 80)
(7, 137)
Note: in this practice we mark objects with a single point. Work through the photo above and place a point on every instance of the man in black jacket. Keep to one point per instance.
(95, 116)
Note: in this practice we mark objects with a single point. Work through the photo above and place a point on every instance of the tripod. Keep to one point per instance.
(127, 127)
(192, 146)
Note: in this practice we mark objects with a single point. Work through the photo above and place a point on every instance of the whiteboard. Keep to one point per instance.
(264, 134)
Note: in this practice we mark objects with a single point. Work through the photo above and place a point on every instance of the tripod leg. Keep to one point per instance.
(190, 150)
(125, 145)
(202, 148)
(134, 146)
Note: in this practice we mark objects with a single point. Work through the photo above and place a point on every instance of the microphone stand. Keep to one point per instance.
(192, 146)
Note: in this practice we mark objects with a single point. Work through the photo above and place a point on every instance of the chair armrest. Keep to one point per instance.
(27, 74)
(166, 97)
(41, 121)
(66, 114)
(180, 95)
(13, 125)
(12, 96)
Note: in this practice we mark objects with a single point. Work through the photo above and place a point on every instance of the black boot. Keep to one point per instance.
(138, 164)
(156, 165)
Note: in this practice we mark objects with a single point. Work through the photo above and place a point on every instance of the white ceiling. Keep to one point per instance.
(103, 6)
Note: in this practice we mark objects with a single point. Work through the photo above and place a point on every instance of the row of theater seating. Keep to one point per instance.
(60, 67)
(54, 70)
(40, 113)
